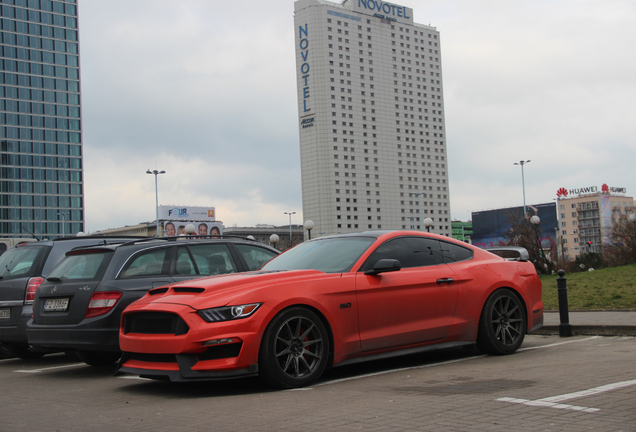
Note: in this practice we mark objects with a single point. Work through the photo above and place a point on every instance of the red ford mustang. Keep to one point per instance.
(331, 301)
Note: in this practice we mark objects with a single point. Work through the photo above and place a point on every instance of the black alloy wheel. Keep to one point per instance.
(294, 350)
(502, 325)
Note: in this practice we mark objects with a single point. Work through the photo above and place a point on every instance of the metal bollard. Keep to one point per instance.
(565, 329)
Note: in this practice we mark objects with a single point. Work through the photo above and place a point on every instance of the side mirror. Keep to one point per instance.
(383, 266)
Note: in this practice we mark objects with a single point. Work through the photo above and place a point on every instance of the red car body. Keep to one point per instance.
(365, 314)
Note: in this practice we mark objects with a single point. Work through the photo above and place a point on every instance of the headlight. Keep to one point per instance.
(228, 313)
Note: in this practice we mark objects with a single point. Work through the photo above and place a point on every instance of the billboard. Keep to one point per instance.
(177, 228)
(187, 213)
(489, 226)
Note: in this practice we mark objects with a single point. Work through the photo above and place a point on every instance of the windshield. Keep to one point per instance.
(335, 255)
(18, 262)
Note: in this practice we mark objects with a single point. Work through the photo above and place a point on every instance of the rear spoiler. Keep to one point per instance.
(511, 253)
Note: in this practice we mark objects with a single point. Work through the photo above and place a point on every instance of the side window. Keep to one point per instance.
(453, 253)
(409, 251)
(184, 264)
(255, 256)
(213, 259)
(151, 263)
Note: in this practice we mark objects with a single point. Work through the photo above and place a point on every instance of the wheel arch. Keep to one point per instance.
(516, 293)
(324, 320)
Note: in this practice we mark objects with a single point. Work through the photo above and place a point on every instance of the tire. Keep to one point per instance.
(24, 352)
(295, 349)
(99, 358)
(502, 325)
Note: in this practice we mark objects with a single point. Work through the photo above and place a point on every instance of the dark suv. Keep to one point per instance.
(78, 307)
(22, 269)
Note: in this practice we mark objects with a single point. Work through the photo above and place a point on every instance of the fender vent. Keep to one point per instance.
(220, 352)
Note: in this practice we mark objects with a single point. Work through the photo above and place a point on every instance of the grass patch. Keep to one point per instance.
(606, 289)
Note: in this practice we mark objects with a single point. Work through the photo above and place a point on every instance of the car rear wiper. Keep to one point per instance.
(54, 279)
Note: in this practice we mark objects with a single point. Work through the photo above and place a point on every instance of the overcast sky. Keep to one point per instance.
(206, 90)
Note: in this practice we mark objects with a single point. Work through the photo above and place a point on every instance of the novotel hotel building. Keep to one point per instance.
(371, 118)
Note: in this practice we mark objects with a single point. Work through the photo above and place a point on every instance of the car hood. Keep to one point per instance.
(221, 290)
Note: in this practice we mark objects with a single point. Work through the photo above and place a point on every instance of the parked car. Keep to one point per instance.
(6, 243)
(332, 301)
(22, 270)
(78, 307)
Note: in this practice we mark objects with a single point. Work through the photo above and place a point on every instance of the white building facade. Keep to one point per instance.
(371, 118)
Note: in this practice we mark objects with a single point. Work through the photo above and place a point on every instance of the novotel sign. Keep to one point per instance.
(384, 10)
(303, 44)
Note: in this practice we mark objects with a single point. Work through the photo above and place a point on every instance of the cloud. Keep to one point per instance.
(207, 91)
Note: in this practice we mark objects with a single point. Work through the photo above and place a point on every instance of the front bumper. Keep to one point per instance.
(181, 371)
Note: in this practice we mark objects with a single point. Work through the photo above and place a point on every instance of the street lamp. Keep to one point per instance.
(428, 223)
(309, 225)
(63, 214)
(523, 184)
(411, 217)
(419, 203)
(290, 226)
(273, 239)
(156, 173)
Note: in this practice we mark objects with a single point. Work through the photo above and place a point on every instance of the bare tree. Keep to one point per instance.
(623, 242)
(523, 233)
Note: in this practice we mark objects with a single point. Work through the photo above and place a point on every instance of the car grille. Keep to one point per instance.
(153, 358)
(220, 352)
(155, 323)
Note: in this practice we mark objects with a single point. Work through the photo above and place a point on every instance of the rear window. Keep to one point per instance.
(89, 266)
(20, 262)
(255, 256)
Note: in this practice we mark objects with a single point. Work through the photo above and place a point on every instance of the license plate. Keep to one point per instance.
(5, 313)
(56, 305)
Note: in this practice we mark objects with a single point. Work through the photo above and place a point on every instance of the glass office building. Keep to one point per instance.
(41, 178)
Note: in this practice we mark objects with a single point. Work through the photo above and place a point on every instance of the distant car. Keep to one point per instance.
(78, 308)
(22, 270)
(332, 301)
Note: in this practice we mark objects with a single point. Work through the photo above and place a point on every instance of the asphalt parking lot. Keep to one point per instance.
(551, 384)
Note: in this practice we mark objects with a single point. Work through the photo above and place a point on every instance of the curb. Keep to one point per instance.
(591, 330)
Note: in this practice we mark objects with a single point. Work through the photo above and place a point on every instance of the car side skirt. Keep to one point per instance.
(406, 351)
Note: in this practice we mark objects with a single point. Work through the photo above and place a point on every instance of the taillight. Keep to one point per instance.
(102, 302)
(32, 287)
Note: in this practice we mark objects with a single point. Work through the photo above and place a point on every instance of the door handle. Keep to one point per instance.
(445, 280)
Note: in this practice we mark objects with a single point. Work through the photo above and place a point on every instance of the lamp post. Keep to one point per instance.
(290, 226)
(428, 223)
(63, 214)
(156, 173)
(523, 184)
(273, 239)
(309, 225)
(419, 203)
(411, 218)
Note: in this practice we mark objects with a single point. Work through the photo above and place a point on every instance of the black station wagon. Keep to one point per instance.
(78, 307)
(22, 270)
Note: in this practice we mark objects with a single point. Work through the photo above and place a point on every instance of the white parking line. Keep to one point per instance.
(50, 368)
(134, 377)
(443, 363)
(552, 401)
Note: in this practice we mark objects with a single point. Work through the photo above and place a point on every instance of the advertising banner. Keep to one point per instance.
(489, 226)
(171, 229)
(187, 213)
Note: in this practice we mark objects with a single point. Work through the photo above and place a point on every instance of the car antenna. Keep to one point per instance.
(34, 236)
